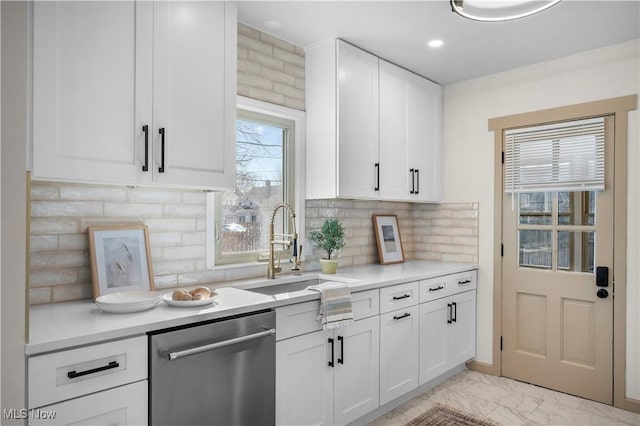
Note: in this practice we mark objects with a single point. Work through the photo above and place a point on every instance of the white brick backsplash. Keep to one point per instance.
(181, 210)
(51, 277)
(194, 237)
(146, 195)
(68, 292)
(165, 238)
(40, 295)
(58, 259)
(166, 267)
(270, 69)
(184, 252)
(198, 278)
(66, 208)
(171, 224)
(42, 191)
(93, 193)
(74, 242)
(43, 242)
(166, 281)
(133, 210)
(194, 197)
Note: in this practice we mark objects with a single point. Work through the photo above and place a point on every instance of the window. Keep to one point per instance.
(238, 221)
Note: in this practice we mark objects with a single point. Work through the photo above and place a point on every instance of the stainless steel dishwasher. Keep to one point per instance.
(214, 373)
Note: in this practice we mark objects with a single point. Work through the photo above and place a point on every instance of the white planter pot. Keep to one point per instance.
(328, 266)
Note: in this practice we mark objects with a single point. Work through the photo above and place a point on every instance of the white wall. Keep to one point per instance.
(469, 166)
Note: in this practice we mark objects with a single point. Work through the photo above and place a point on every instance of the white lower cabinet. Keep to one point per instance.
(328, 377)
(101, 384)
(125, 405)
(447, 334)
(398, 353)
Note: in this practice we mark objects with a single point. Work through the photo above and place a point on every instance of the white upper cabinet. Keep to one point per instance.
(410, 136)
(425, 139)
(108, 76)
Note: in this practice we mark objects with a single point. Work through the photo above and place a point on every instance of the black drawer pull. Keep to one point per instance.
(398, 317)
(162, 135)
(331, 343)
(464, 282)
(413, 181)
(404, 296)
(449, 313)
(341, 359)
(436, 288)
(73, 374)
(377, 167)
(454, 305)
(418, 180)
(145, 129)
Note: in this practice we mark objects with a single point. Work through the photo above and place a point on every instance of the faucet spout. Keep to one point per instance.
(272, 268)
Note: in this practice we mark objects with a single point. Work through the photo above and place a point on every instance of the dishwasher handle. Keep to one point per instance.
(180, 354)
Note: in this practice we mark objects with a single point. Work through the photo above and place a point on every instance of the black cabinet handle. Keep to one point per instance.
(413, 181)
(455, 312)
(331, 343)
(436, 288)
(145, 167)
(73, 374)
(464, 282)
(377, 166)
(341, 359)
(404, 296)
(449, 313)
(398, 317)
(161, 131)
(418, 181)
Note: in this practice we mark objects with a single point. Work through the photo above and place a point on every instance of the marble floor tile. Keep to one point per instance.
(509, 402)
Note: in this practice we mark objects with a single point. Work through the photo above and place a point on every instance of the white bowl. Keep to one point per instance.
(128, 298)
(187, 303)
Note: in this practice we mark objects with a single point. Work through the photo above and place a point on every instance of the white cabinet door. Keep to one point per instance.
(395, 92)
(398, 353)
(434, 339)
(194, 93)
(357, 117)
(304, 380)
(91, 90)
(124, 405)
(356, 389)
(425, 139)
(463, 328)
(447, 334)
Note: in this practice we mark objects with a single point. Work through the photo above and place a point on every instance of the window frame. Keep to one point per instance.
(295, 159)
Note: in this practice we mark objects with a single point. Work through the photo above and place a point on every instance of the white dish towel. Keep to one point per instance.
(335, 304)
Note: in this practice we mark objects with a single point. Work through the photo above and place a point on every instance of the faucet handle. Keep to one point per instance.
(278, 268)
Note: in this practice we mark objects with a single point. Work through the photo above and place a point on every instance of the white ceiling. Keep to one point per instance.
(397, 31)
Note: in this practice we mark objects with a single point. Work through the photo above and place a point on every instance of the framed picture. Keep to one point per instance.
(120, 259)
(388, 239)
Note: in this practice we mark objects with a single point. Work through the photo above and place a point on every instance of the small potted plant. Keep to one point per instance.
(330, 238)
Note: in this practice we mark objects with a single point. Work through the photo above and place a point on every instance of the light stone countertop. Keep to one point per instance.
(64, 325)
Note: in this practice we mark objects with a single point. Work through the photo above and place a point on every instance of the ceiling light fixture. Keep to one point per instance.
(499, 10)
(273, 24)
(435, 43)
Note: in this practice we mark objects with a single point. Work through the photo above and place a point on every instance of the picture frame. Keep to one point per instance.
(120, 259)
(388, 239)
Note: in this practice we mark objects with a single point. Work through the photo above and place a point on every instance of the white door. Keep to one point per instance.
(434, 339)
(462, 330)
(398, 353)
(425, 139)
(358, 164)
(92, 73)
(356, 372)
(395, 89)
(304, 380)
(194, 94)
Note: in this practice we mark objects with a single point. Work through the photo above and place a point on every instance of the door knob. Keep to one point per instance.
(602, 293)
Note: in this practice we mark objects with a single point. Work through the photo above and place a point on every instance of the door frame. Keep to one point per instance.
(618, 108)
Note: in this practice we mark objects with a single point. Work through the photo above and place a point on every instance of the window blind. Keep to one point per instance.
(567, 156)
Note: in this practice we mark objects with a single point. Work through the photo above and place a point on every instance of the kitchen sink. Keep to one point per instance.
(280, 288)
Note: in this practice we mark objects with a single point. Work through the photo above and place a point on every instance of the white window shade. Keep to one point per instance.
(567, 156)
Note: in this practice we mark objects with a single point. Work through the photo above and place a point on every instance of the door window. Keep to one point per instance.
(556, 230)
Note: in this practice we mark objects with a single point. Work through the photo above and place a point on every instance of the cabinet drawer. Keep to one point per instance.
(463, 281)
(124, 405)
(302, 318)
(434, 288)
(67, 374)
(398, 296)
(365, 304)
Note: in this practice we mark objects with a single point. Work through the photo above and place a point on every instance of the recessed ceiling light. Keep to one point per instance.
(273, 24)
(435, 43)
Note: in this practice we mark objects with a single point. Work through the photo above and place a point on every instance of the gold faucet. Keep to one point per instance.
(272, 269)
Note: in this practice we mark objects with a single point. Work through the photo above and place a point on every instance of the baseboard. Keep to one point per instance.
(631, 404)
(482, 367)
